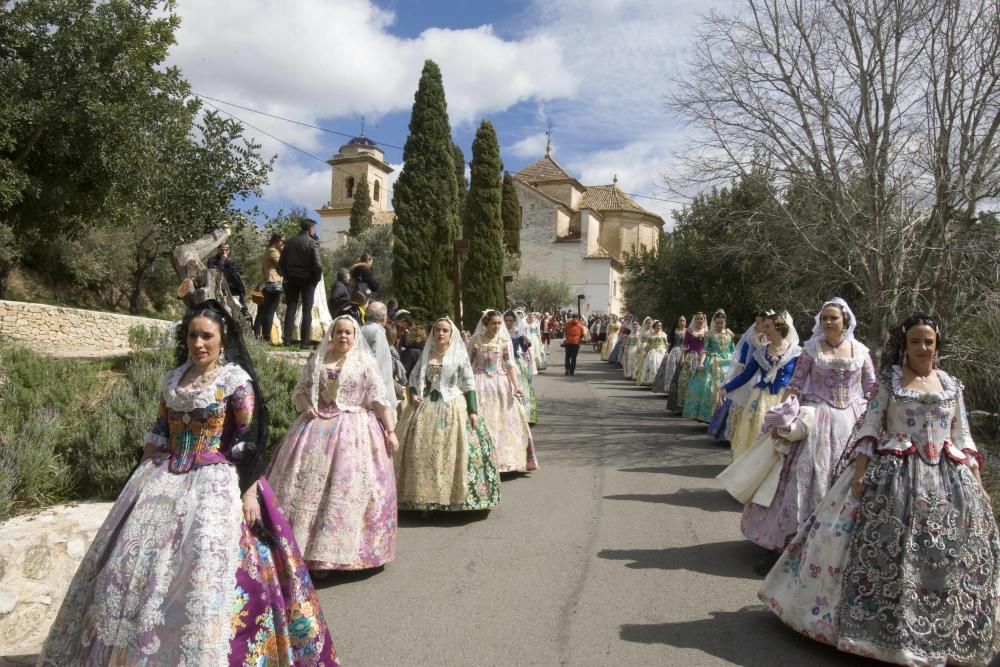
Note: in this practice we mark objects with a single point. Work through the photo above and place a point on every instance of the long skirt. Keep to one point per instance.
(703, 389)
(650, 365)
(538, 351)
(443, 463)
(717, 426)
(639, 360)
(608, 346)
(908, 575)
(688, 366)
(336, 482)
(748, 427)
(616, 352)
(527, 378)
(665, 373)
(629, 357)
(506, 420)
(175, 576)
(673, 395)
(806, 476)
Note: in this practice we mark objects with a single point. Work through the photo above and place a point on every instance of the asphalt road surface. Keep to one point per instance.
(621, 550)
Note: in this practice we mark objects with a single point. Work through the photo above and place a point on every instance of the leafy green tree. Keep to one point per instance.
(375, 241)
(361, 209)
(482, 280)
(510, 214)
(83, 86)
(424, 199)
(541, 294)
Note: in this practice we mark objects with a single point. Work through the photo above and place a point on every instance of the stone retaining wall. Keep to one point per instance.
(71, 329)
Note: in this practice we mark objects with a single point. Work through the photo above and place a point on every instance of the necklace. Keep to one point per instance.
(202, 380)
(922, 378)
(838, 344)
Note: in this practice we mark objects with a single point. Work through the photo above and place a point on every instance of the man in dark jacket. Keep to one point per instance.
(230, 271)
(363, 277)
(301, 269)
(340, 293)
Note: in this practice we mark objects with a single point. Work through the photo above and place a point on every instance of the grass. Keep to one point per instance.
(73, 429)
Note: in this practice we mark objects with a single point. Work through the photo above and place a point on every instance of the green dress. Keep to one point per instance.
(702, 397)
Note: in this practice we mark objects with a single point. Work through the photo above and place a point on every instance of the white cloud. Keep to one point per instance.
(301, 185)
(530, 147)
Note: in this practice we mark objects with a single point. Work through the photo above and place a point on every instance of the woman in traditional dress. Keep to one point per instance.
(518, 332)
(655, 349)
(629, 349)
(769, 370)
(665, 373)
(333, 472)
(446, 460)
(834, 374)
(639, 353)
(195, 563)
(538, 350)
(609, 344)
(703, 388)
(901, 560)
(615, 358)
(694, 357)
(499, 394)
(728, 413)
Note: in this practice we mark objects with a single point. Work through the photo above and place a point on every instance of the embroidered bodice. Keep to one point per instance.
(693, 342)
(840, 382)
(903, 421)
(720, 344)
(459, 383)
(357, 394)
(657, 342)
(773, 372)
(614, 328)
(490, 358)
(203, 426)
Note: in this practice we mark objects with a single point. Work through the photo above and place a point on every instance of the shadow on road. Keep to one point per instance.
(751, 637)
(710, 500)
(414, 519)
(733, 559)
(699, 470)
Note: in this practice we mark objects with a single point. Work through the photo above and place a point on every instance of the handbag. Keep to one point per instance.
(257, 295)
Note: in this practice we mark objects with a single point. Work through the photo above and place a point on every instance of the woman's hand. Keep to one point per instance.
(474, 420)
(310, 414)
(147, 452)
(251, 506)
(775, 433)
(722, 395)
(416, 400)
(391, 443)
(858, 482)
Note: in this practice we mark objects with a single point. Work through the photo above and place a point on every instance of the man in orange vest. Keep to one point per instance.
(571, 339)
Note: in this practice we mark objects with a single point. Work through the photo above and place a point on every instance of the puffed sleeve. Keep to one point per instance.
(803, 367)
(508, 356)
(466, 379)
(869, 381)
(160, 431)
(374, 388)
(961, 435)
(872, 424)
(249, 455)
(301, 395)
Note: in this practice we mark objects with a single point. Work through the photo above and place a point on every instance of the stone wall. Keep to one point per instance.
(69, 330)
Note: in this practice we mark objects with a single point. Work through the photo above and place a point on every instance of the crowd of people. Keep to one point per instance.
(863, 488)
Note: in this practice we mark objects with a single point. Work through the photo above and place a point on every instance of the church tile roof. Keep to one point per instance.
(609, 198)
(544, 170)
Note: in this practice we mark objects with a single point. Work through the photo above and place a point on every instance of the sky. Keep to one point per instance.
(597, 72)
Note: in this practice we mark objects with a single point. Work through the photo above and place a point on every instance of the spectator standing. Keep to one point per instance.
(412, 348)
(340, 293)
(374, 334)
(231, 272)
(272, 287)
(573, 335)
(363, 278)
(301, 269)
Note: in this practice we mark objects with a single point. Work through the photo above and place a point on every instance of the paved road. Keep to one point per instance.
(621, 550)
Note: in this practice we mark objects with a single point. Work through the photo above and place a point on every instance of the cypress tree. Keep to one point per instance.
(460, 183)
(510, 214)
(361, 209)
(424, 199)
(482, 276)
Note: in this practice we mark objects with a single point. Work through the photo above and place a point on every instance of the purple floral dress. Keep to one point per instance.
(175, 575)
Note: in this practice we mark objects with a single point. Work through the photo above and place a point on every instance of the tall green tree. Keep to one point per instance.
(361, 209)
(461, 185)
(482, 279)
(510, 215)
(83, 83)
(424, 200)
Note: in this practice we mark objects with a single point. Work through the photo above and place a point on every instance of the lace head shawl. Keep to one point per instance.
(520, 323)
(817, 333)
(793, 335)
(454, 358)
(359, 358)
(503, 336)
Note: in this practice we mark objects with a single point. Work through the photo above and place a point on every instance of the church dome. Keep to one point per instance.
(362, 141)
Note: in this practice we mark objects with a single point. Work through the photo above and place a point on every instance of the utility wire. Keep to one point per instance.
(290, 120)
(278, 139)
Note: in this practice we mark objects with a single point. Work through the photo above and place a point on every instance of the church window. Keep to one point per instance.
(378, 190)
(350, 187)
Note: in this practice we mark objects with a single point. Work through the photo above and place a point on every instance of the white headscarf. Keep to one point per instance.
(848, 332)
(503, 335)
(793, 335)
(453, 359)
(357, 361)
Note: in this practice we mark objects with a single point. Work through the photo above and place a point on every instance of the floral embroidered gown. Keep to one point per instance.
(630, 352)
(665, 373)
(770, 374)
(837, 388)
(703, 388)
(655, 346)
(611, 341)
(908, 574)
(526, 374)
(334, 477)
(505, 416)
(615, 357)
(691, 362)
(175, 575)
(443, 463)
(538, 351)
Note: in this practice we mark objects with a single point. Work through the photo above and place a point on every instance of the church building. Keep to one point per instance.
(357, 158)
(580, 234)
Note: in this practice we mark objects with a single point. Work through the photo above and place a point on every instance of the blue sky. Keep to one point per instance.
(598, 71)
